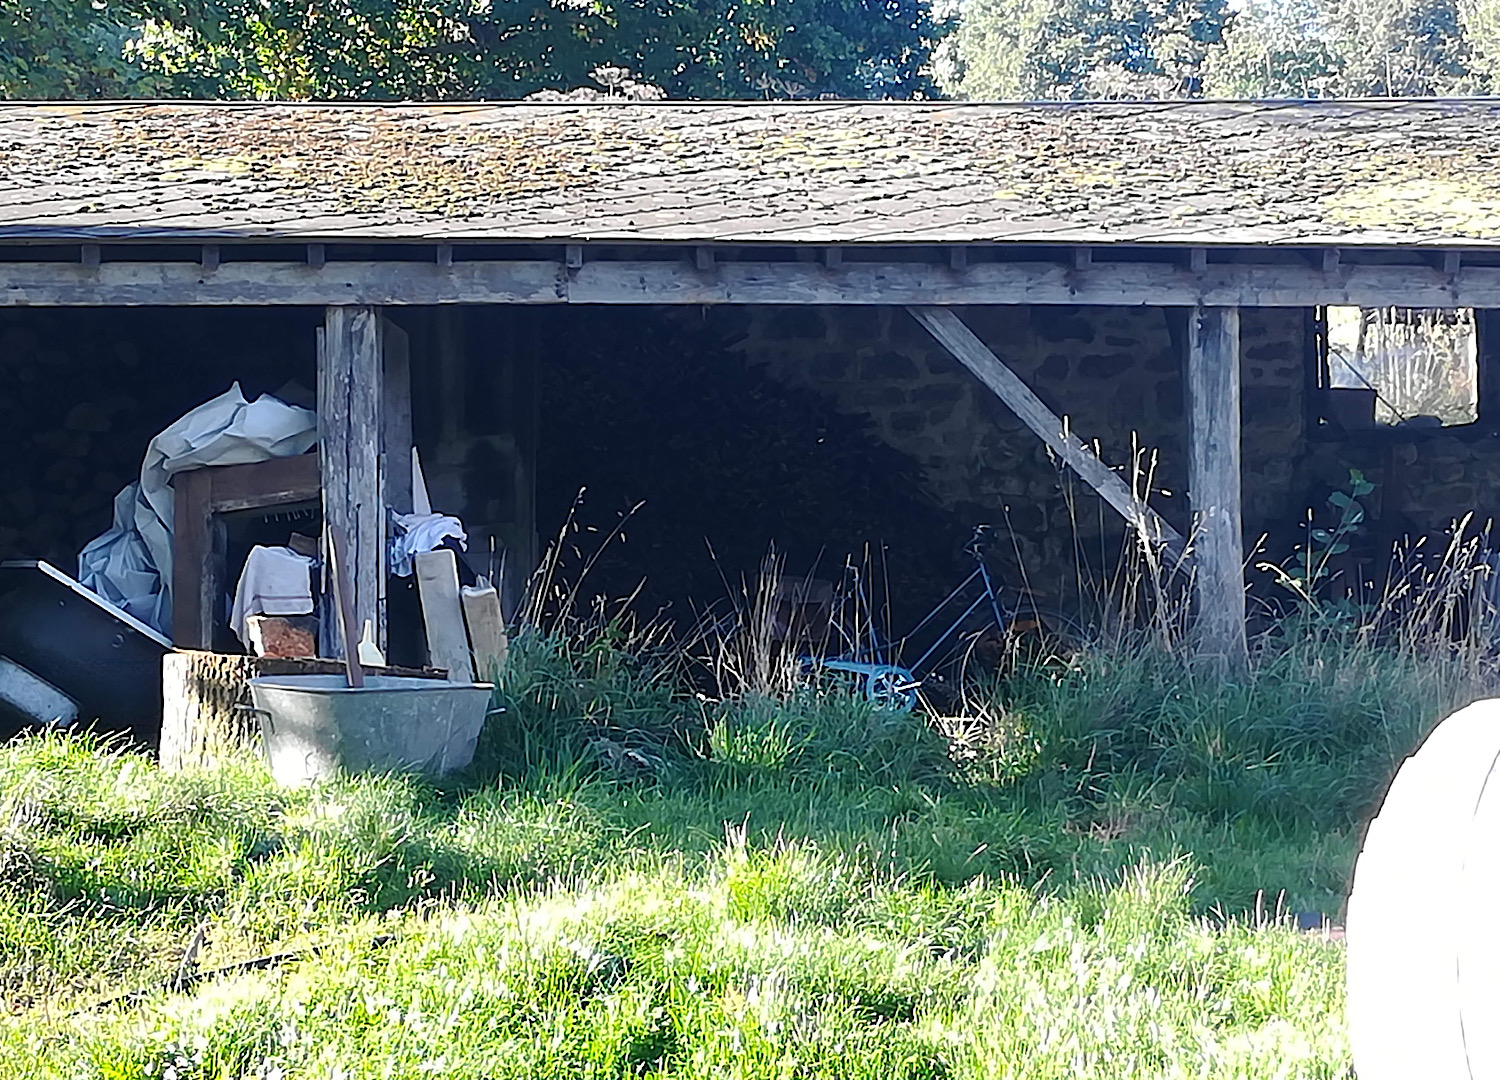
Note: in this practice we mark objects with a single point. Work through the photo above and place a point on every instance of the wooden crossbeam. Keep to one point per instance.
(707, 281)
(952, 333)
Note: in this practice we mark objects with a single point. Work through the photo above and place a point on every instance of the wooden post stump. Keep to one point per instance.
(200, 724)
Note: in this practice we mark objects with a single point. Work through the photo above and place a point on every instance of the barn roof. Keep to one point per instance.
(1201, 173)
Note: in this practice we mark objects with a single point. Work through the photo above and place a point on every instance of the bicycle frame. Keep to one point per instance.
(890, 683)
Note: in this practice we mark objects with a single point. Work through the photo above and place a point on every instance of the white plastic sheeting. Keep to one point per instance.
(1422, 931)
(131, 564)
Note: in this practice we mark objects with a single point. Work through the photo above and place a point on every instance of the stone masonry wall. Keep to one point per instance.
(1115, 373)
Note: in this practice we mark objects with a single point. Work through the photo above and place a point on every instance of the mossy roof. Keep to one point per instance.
(1344, 173)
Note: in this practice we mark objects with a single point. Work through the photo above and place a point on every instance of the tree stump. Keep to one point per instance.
(200, 691)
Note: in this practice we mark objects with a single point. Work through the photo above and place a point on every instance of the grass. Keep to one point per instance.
(1085, 874)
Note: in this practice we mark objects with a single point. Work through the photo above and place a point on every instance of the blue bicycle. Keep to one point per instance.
(988, 621)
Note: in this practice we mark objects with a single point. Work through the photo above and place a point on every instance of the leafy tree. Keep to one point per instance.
(448, 49)
(1009, 49)
(1350, 48)
(67, 49)
(1278, 49)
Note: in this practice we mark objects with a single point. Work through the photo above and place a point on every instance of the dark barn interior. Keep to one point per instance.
(827, 435)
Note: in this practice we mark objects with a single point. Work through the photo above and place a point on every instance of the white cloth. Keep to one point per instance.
(131, 564)
(416, 533)
(275, 581)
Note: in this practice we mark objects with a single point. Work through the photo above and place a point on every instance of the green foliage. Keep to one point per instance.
(453, 49)
(1310, 574)
(1188, 48)
(653, 972)
(1318, 48)
(69, 49)
(1009, 49)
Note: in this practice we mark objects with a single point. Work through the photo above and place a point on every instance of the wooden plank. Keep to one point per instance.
(487, 638)
(1213, 393)
(442, 614)
(133, 284)
(350, 395)
(395, 469)
(958, 339)
(343, 600)
(263, 483)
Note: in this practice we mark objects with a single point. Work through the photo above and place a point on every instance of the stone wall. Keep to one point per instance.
(1115, 373)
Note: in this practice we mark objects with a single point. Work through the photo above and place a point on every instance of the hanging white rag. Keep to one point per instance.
(275, 581)
(416, 533)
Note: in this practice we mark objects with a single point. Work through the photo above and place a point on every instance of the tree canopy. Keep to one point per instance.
(451, 49)
(1081, 49)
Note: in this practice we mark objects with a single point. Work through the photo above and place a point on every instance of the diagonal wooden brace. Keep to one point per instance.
(958, 339)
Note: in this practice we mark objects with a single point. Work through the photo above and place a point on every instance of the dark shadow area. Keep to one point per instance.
(86, 389)
(652, 410)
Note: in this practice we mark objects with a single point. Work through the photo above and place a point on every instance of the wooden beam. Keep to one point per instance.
(958, 339)
(133, 284)
(573, 256)
(395, 419)
(350, 393)
(703, 258)
(1217, 541)
(1083, 258)
(1198, 260)
(260, 484)
(317, 255)
(197, 554)
(88, 256)
(958, 258)
(445, 256)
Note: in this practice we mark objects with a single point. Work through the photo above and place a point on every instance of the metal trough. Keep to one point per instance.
(315, 727)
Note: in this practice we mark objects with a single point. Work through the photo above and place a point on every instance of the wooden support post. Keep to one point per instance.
(958, 258)
(317, 255)
(959, 340)
(208, 258)
(350, 397)
(396, 436)
(197, 560)
(1213, 394)
(445, 256)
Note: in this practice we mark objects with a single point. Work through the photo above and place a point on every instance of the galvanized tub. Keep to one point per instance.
(314, 727)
